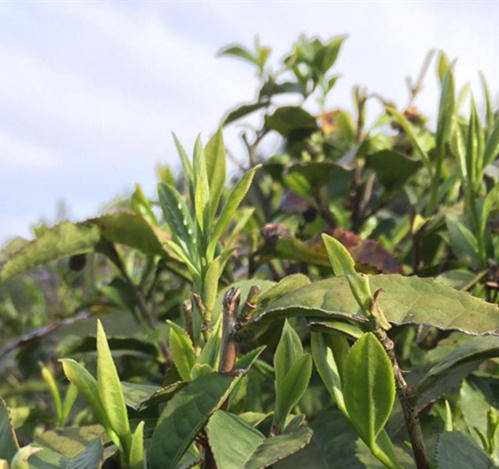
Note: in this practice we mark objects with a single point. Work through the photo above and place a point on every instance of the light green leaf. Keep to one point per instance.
(287, 353)
(339, 257)
(238, 51)
(48, 377)
(64, 240)
(445, 111)
(405, 300)
(201, 187)
(291, 389)
(137, 460)
(182, 350)
(368, 387)
(186, 164)
(110, 390)
(87, 387)
(327, 369)
(8, 439)
(210, 353)
(69, 400)
(343, 264)
(20, 459)
(215, 168)
(233, 200)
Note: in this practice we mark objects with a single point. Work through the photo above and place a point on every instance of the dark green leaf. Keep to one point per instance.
(405, 300)
(277, 448)
(289, 119)
(392, 169)
(458, 451)
(242, 111)
(184, 415)
(8, 440)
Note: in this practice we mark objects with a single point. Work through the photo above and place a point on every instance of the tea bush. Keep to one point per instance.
(333, 305)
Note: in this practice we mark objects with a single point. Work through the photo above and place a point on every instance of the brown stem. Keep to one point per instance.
(229, 342)
(407, 401)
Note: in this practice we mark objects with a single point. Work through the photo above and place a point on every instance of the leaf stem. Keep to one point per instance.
(407, 402)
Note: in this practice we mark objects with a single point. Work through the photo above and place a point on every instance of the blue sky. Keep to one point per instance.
(90, 91)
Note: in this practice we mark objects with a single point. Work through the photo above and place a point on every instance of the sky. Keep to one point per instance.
(90, 91)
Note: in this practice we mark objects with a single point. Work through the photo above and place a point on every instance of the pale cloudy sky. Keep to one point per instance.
(90, 91)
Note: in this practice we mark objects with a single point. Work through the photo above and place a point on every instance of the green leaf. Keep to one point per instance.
(343, 264)
(457, 451)
(445, 111)
(244, 440)
(289, 119)
(405, 300)
(201, 187)
(210, 354)
(48, 377)
(211, 279)
(110, 390)
(448, 366)
(327, 369)
(277, 448)
(136, 460)
(368, 387)
(182, 350)
(243, 110)
(64, 240)
(132, 230)
(462, 241)
(392, 168)
(69, 442)
(489, 204)
(234, 199)
(327, 54)
(69, 400)
(20, 459)
(291, 389)
(409, 131)
(489, 109)
(141, 205)
(8, 439)
(177, 216)
(191, 406)
(238, 51)
(492, 146)
(87, 387)
(288, 352)
(186, 164)
(215, 168)
(340, 259)
(71, 448)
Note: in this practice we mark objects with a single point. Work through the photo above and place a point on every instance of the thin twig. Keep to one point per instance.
(41, 332)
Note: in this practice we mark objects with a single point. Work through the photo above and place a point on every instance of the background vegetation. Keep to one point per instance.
(332, 305)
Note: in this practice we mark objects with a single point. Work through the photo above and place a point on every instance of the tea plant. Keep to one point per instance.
(332, 305)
